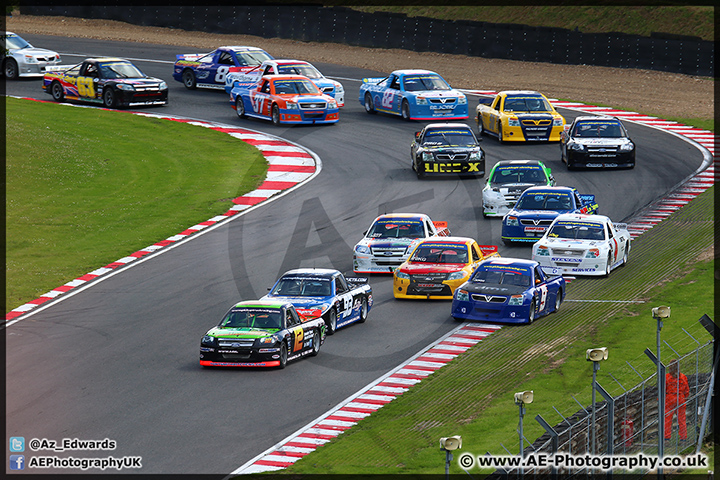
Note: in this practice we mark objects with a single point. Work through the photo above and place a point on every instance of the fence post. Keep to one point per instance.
(554, 441)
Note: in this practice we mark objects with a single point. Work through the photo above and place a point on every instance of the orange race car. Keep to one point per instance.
(292, 99)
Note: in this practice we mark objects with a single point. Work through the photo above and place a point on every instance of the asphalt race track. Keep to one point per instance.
(119, 360)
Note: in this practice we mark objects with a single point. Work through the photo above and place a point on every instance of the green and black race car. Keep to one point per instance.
(261, 333)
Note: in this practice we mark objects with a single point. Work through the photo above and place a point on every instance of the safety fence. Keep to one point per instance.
(663, 52)
(628, 424)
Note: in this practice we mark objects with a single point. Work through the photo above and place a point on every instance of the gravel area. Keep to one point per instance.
(666, 95)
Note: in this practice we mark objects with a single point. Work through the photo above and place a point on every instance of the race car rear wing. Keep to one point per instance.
(489, 250)
(551, 271)
(190, 56)
(373, 79)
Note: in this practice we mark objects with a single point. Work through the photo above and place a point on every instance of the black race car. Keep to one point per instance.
(447, 149)
(261, 333)
(112, 82)
(597, 142)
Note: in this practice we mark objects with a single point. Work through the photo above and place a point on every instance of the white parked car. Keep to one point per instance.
(580, 244)
(20, 59)
(390, 239)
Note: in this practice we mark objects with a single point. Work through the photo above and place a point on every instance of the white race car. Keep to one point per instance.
(508, 179)
(391, 238)
(20, 59)
(288, 67)
(580, 244)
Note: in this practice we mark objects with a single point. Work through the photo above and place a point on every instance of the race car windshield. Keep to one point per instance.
(507, 175)
(252, 318)
(577, 232)
(544, 202)
(304, 70)
(526, 104)
(440, 254)
(454, 137)
(13, 41)
(295, 87)
(303, 287)
(597, 130)
(120, 70)
(416, 83)
(502, 278)
(251, 58)
(397, 229)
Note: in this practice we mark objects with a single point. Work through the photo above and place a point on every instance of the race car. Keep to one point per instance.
(112, 82)
(447, 149)
(537, 207)
(597, 142)
(390, 239)
(20, 59)
(259, 333)
(324, 293)
(519, 116)
(506, 182)
(208, 70)
(287, 67)
(414, 95)
(290, 99)
(508, 290)
(437, 266)
(583, 245)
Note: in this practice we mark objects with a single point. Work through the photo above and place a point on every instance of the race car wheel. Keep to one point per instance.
(369, 105)
(57, 92)
(11, 69)
(558, 301)
(108, 98)
(240, 107)
(331, 321)
(531, 313)
(275, 114)
(500, 132)
(188, 78)
(481, 129)
(405, 110)
(316, 344)
(608, 265)
(418, 170)
(626, 255)
(283, 354)
(363, 310)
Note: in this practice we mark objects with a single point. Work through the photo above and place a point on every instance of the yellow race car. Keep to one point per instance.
(519, 116)
(437, 266)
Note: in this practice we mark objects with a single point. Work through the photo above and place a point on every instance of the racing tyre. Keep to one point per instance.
(10, 69)
(531, 313)
(283, 355)
(240, 107)
(418, 170)
(369, 105)
(558, 301)
(626, 255)
(331, 321)
(316, 344)
(481, 129)
(405, 110)
(363, 310)
(188, 78)
(275, 114)
(109, 98)
(500, 133)
(57, 92)
(608, 266)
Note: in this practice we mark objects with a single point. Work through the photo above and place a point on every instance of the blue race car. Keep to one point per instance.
(208, 70)
(414, 95)
(537, 207)
(324, 293)
(508, 290)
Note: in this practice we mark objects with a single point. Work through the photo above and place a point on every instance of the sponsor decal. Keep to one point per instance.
(456, 167)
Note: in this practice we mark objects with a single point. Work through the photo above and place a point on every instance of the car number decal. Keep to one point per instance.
(86, 87)
(387, 100)
(222, 71)
(543, 297)
(299, 337)
(257, 103)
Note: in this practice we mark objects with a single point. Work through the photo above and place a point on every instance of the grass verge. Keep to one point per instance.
(85, 187)
(472, 396)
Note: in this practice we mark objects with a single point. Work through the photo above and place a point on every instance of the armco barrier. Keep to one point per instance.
(664, 52)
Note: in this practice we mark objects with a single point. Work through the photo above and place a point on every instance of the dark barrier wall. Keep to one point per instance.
(668, 53)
